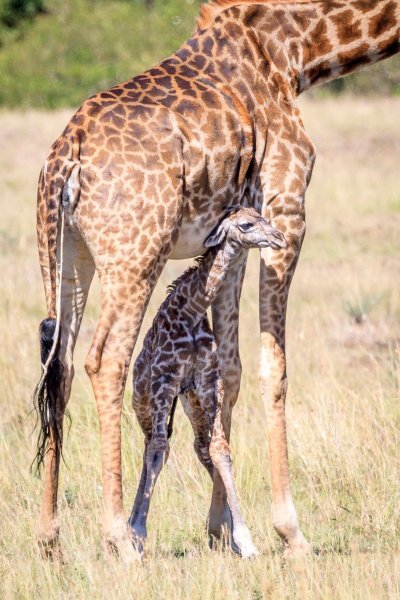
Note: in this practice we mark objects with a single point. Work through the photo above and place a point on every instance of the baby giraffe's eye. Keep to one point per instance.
(245, 226)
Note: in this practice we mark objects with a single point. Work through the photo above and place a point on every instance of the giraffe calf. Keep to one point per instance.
(179, 358)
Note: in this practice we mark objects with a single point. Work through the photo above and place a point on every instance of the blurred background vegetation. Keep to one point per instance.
(55, 53)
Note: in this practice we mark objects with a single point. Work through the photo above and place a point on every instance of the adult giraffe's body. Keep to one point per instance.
(145, 170)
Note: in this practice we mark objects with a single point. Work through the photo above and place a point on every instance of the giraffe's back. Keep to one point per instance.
(135, 140)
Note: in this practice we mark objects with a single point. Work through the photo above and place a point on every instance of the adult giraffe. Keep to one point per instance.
(145, 170)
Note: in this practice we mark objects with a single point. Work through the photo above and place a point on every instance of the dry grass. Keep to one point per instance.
(343, 413)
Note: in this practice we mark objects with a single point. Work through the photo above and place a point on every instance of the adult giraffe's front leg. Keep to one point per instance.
(284, 178)
(275, 278)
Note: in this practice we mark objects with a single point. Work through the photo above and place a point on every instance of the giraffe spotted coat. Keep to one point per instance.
(179, 357)
(144, 171)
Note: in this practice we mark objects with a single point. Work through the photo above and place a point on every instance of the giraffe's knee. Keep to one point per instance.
(273, 390)
(203, 453)
(232, 379)
(158, 443)
(220, 453)
(157, 453)
(273, 377)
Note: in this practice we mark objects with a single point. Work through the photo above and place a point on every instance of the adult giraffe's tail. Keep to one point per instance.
(57, 192)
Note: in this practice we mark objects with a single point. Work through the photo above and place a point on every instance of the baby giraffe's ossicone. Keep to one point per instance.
(179, 358)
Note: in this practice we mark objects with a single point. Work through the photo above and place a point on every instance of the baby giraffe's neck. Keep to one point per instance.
(199, 287)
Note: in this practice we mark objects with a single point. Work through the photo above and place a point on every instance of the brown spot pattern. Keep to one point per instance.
(160, 157)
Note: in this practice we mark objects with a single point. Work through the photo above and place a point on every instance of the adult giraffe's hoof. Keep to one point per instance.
(124, 550)
(298, 548)
(50, 549)
(119, 541)
(286, 525)
(48, 540)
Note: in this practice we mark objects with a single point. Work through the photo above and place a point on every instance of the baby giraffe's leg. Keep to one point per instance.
(200, 422)
(140, 491)
(156, 455)
(222, 460)
(141, 406)
(157, 452)
(225, 317)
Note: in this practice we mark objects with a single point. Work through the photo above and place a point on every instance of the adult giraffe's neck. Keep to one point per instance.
(344, 37)
(198, 287)
(249, 44)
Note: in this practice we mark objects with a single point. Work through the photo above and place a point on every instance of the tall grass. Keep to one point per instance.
(343, 402)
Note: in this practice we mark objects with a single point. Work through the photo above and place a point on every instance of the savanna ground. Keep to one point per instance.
(343, 409)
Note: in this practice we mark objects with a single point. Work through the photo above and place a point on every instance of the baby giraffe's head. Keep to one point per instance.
(246, 228)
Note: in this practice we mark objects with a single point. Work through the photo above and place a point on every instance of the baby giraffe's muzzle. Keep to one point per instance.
(274, 238)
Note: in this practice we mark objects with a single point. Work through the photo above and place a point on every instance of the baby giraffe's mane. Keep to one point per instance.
(199, 260)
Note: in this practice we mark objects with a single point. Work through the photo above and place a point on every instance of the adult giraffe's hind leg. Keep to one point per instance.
(125, 294)
(131, 237)
(78, 269)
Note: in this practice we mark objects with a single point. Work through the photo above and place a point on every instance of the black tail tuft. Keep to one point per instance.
(47, 395)
(47, 330)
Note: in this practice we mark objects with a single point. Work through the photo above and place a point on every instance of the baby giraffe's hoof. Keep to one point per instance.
(220, 540)
(138, 546)
(137, 540)
(243, 544)
(248, 551)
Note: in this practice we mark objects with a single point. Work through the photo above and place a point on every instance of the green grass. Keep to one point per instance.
(82, 46)
(343, 409)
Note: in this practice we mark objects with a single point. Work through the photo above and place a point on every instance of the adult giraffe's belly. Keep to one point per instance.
(211, 187)
(193, 233)
(198, 223)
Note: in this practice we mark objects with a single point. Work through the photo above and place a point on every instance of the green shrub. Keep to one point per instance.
(12, 11)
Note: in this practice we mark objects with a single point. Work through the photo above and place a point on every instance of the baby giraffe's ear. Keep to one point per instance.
(217, 235)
